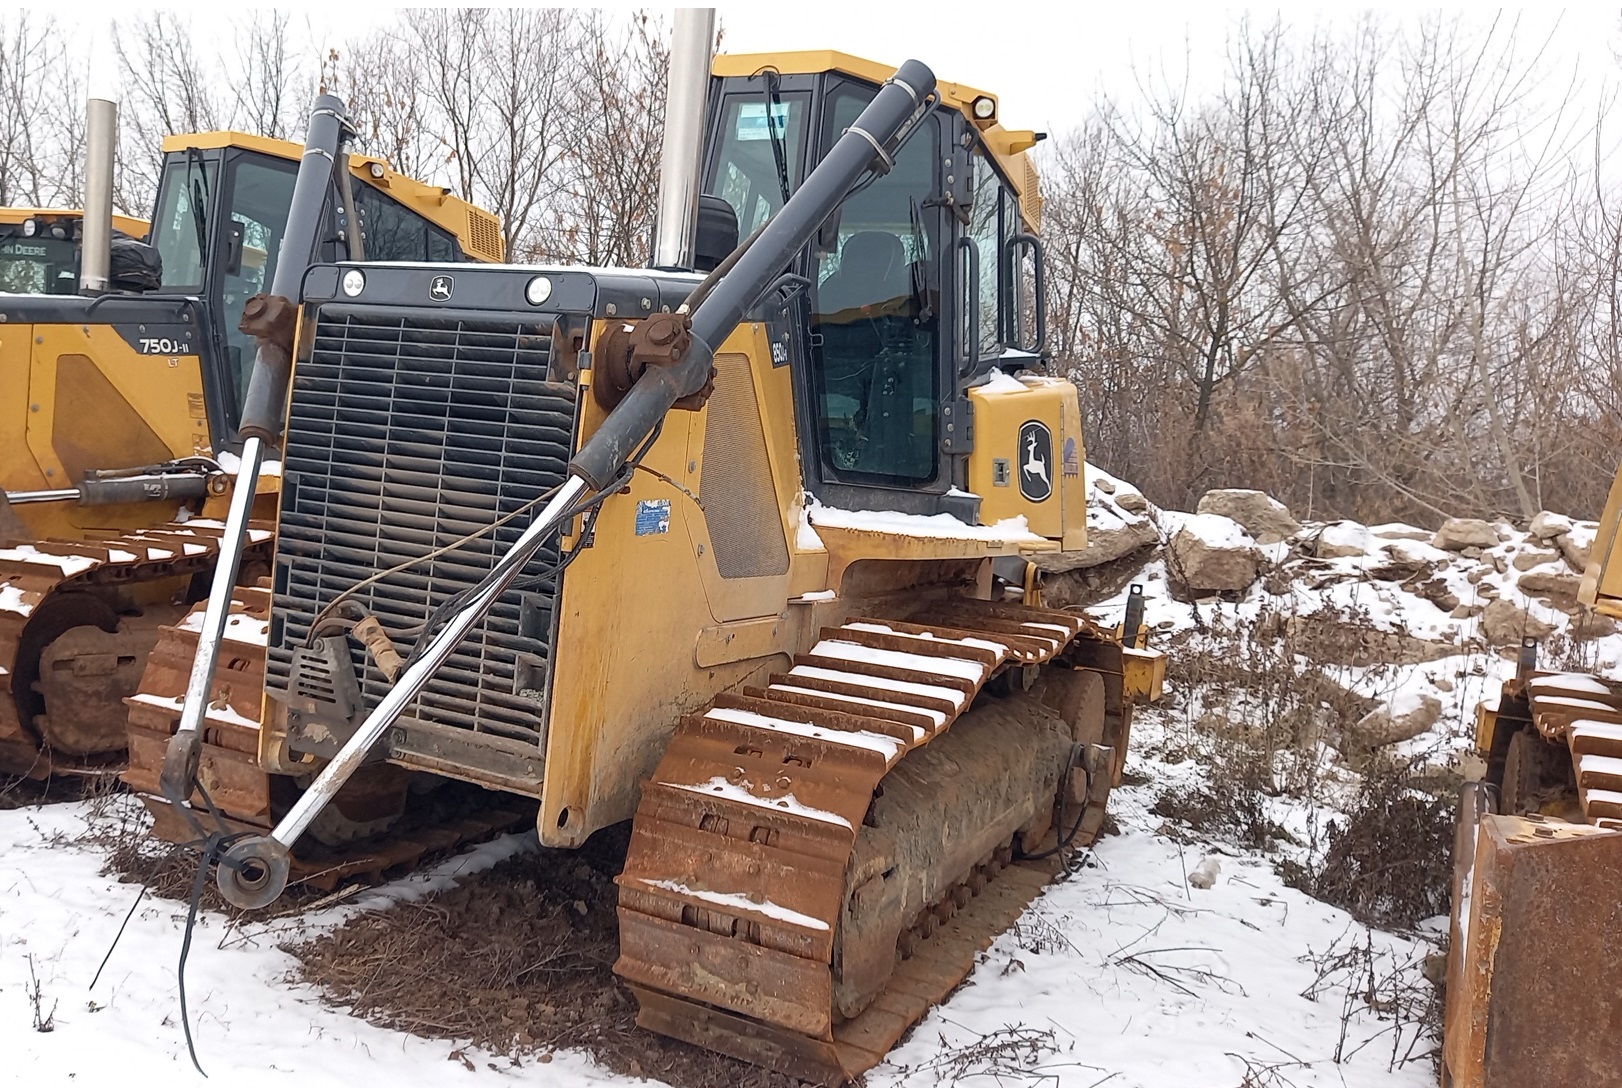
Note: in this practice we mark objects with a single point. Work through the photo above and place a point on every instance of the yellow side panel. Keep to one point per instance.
(648, 600)
(1001, 458)
(1602, 581)
(78, 397)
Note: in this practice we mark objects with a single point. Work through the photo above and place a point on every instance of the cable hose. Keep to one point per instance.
(1081, 814)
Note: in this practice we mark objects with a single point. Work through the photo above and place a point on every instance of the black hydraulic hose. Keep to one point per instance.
(871, 137)
(1075, 828)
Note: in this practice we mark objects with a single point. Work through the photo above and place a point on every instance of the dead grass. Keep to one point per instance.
(517, 960)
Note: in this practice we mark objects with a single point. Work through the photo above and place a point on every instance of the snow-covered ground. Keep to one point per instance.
(1165, 961)
(1134, 972)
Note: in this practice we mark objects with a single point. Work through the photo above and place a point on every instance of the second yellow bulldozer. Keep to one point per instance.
(1534, 983)
(117, 402)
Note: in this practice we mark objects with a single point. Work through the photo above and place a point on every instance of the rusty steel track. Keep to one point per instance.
(62, 583)
(790, 896)
(1584, 712)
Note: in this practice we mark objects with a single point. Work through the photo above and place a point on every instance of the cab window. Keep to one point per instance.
(876, 381)
(41, 265)
(180, 224)
(261, 194)
(395, 233)
(760, 145)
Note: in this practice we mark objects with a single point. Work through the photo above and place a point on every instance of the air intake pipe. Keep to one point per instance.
(96, 239)
(692, 39)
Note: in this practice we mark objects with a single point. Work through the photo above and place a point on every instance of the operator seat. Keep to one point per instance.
(873, 271)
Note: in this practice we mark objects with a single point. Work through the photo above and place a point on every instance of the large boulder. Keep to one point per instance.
(1504, 623)
(1262, 516)
(1403, 718)
(1341, 540)
(1212, 553)
(1545, 583)
(1457, 534)
(1547, 526)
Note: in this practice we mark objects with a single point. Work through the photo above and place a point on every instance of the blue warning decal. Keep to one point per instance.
(652, 517)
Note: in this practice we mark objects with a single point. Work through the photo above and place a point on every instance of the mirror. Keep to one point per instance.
(717, 233)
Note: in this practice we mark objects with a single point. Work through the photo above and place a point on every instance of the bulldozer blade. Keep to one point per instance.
(1533, 975)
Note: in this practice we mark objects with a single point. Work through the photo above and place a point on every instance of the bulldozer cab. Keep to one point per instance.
(219, 220)
(39, 248)
(912, 291)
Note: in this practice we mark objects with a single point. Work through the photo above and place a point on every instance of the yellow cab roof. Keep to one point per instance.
(1007, 146)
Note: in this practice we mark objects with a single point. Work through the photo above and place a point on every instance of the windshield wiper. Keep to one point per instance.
(199, 202)
(774, 103)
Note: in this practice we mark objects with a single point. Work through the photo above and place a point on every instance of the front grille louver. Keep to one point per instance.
(408, 430)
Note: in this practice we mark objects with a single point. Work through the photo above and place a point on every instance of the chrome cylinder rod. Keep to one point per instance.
(255, 870)
(180, 761)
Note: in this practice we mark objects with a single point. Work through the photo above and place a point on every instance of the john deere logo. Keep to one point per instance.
(440, 287)
(1035, 460)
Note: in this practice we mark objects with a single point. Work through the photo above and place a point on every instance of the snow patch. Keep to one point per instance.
(766, 908)
(68, 564)
(787, 802)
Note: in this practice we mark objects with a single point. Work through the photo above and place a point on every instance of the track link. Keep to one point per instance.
(756, 917)
(36, 577)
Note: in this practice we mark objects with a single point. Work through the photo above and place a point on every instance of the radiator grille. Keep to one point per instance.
(408, 430)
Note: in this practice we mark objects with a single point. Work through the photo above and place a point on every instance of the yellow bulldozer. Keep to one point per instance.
(119, 400)
(735, 548)
(39, 248)
(1533, 996)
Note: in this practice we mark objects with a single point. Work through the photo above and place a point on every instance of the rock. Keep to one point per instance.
(1404, 718)
(1547, 526)
(1498, 564)
(1475, 576)
(1576, 546)
(1470, 553)
(1436, 591)
(1212, 553)
(1104, 484)
(1205, 874)
(1527, 558)
(1111, 535)
(1504, 624)
(1537, 583)
(1587, 623)
(1442, 683)
(1342, 539)
(1457, 534)
(1487, 590)
(1397, 531)
(1262, 516)
(1466, 611)
(1132, 502)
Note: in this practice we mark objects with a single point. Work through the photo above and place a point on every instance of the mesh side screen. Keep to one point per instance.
(740, 505)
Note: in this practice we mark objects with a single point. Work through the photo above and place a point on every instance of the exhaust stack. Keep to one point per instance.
(96, 240)
(692, 41)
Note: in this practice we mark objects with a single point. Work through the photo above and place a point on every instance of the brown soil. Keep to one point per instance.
(518, 960)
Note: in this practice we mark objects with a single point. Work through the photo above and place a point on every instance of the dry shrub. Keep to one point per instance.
(1258, 704)
(1390, 863)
